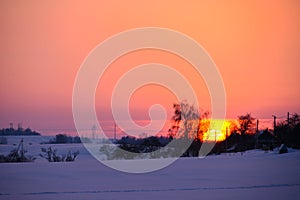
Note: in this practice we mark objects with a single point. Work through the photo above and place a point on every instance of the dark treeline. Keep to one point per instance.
(19, 131)
(145, 145)
(241, 138)
(64, 139)
(287, 133)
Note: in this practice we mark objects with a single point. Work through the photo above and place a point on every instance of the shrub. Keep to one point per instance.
(17, 155)
(52, 156)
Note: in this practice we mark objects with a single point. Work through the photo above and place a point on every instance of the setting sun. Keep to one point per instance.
(214, 133)
(149, 99)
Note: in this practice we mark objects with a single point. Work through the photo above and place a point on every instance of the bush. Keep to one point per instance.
(52, 156)
(17, 155)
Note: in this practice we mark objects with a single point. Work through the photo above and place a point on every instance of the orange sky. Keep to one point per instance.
(255, 45)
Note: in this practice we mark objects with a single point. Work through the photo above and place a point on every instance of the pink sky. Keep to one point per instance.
(254, 44)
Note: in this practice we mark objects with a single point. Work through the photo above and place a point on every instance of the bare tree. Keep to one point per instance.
(246, 123)
(185, 121)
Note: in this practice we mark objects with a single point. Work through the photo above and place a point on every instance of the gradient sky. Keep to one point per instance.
(255, 45)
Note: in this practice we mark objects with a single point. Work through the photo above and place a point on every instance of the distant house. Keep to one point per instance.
(266, 140)
(233, 141)
(64, 139)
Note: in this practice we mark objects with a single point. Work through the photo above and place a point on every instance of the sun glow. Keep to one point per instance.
(218, 131)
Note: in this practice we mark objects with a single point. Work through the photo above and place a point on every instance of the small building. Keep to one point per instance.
(266, 140)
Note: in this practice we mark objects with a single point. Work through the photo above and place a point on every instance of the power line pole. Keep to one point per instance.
(256, 137)
(93, 131)
(288, 119)
(115, 132)
(274, 124)
(226, 135)
(215, 135)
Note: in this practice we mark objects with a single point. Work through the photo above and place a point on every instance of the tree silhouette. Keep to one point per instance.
(246, 123)
(288, 132)
(185, 121)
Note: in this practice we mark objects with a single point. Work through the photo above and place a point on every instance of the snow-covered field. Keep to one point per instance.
(254, 175)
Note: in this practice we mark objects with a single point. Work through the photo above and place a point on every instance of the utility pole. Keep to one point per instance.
(256, 137)
(215, 135)
(274, 124)
(93, 131)
(288, 119)
(226, 138)
(115, 132)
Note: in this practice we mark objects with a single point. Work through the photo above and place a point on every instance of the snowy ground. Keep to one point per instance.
(254, 175)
